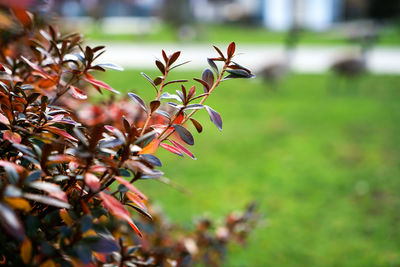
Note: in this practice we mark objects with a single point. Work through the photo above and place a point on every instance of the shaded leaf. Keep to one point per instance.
(208, 77)
(153, 160)
(117, 209)
(10, 222)
(26, 251)
(154, 105)
(47, 200)
(160, 66)
(174, 57)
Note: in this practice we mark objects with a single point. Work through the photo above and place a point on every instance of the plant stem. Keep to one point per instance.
(157, 98)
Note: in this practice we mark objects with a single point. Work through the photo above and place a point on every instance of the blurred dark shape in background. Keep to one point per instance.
(274, 15)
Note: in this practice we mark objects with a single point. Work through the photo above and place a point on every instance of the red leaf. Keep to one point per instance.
(2, 68)
(183, 149)
(96, 83)
(231, 49)
(92, 181)
(171, 149)
(131, 187)
(78, 93)
(117, 209)
(60, 132)
(12, 137)
(37, 68)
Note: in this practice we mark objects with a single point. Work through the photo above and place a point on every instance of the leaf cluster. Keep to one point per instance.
(68, 166)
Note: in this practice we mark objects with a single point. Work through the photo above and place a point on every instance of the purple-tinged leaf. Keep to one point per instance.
(215, 117)
(169, 96)
(138, 101)
(10, 222)
(208, 77)
(194, 106)
(150, 80)
(184, 134)
(111, 66)
(213, 66)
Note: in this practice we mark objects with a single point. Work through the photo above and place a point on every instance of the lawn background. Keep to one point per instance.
(323, 165)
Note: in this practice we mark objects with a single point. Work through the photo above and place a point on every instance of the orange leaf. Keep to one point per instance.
(18, 203)
(26, 250)
(65, 217)
(117, 209)
(151, 147)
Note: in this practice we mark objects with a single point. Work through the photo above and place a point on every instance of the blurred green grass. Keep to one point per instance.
(324, 167)
(223, 33)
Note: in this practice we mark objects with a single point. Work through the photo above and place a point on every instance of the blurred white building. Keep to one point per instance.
(316, 15)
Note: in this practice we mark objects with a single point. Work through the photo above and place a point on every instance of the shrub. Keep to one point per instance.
(68, 166)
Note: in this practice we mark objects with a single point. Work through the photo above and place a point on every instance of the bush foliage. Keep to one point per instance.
(68, 166)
